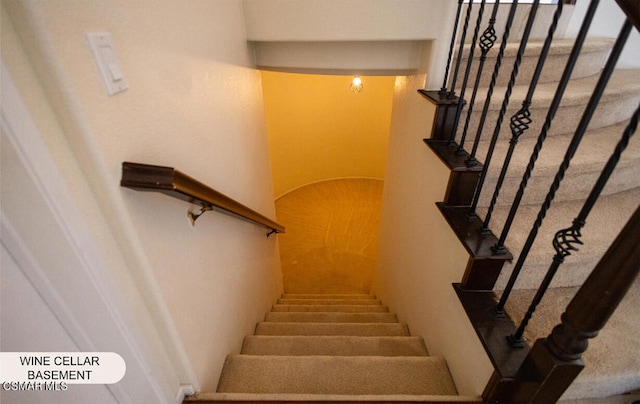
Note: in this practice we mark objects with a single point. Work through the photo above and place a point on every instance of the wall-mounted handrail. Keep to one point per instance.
(169, 181)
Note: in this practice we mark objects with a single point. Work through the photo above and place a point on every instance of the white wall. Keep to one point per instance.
(194, 102)
(607, 23)
(379, 37)
(419, 257)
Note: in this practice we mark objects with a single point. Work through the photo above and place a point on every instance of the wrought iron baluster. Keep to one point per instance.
(571, 150)
(443, 89)
(520, 120)
(463, 88)
(452, 91)
(499, 248)
(565, 239)
(505, 103)
(487, 41)
(472, 161)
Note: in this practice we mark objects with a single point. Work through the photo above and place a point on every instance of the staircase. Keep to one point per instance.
(608, 371)
(622, 194)
(333, 348)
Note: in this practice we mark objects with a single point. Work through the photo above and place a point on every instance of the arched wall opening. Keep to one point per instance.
(332, 235)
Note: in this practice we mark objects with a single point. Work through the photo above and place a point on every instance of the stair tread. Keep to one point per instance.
(330, 301)
(336, 375)
(592, 57)
(327, 296)
(363, 329)
(594, 150)
(330, 308)
(603, 224)
(591, 157)
(558, 46)
(334, 345)
(618, 102)
(337, 317)
(309, 398)
(623, 83)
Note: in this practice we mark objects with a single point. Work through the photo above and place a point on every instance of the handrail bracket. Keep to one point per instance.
(193, 216)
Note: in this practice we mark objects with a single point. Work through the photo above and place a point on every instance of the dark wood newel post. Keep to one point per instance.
(553, 363)
(600, 295)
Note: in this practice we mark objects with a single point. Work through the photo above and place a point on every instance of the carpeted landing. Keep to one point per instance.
(333, 347)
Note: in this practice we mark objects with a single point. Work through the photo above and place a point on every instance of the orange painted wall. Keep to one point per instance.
(318, 129)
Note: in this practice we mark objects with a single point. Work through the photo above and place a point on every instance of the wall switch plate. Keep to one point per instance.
(105, 57)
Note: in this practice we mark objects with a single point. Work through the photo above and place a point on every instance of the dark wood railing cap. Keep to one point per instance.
(145, 177)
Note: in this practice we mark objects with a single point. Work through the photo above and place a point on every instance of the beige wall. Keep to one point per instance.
(419, 257)
(194, 102)
(319, 129)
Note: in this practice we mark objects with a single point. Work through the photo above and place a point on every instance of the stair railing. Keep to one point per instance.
(519, 375)
(443, 90)
(169, 181)
(467, 71)
(505, 104)
(571, 150)
(520, 120)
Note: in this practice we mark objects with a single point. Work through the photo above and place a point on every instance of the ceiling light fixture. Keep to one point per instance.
(356, 85)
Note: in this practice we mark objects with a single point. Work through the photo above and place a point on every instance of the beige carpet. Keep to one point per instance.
(332, 236)
(360, 352)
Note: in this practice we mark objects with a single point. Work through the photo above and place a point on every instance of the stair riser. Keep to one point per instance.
(330, 308)
(588, 64)
(566, 119)
(327, 296)
(334, 345)
(602, 226)
(382, 329)
(575, 186)
(332, 317)
(329, 301)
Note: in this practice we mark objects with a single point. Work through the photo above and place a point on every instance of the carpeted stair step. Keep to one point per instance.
(591, 60)
(332, 301)
(319, 317)
(361, 329)
(330, 308)
(207, 398)
(336, 375)
(316, 296)
(608, 216)
(617, 104)
(591, 157)
(333, 345)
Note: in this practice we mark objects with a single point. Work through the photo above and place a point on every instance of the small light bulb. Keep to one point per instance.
(356, 84)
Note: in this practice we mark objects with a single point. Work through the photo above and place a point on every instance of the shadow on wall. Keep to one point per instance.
(332, 235)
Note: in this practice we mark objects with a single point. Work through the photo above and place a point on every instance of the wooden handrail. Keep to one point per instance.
(169, 181)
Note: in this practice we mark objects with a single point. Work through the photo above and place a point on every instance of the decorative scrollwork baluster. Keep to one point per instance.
(571, 150)
(565, 240)
(472, 161)
(503, 108)
(563, 243)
